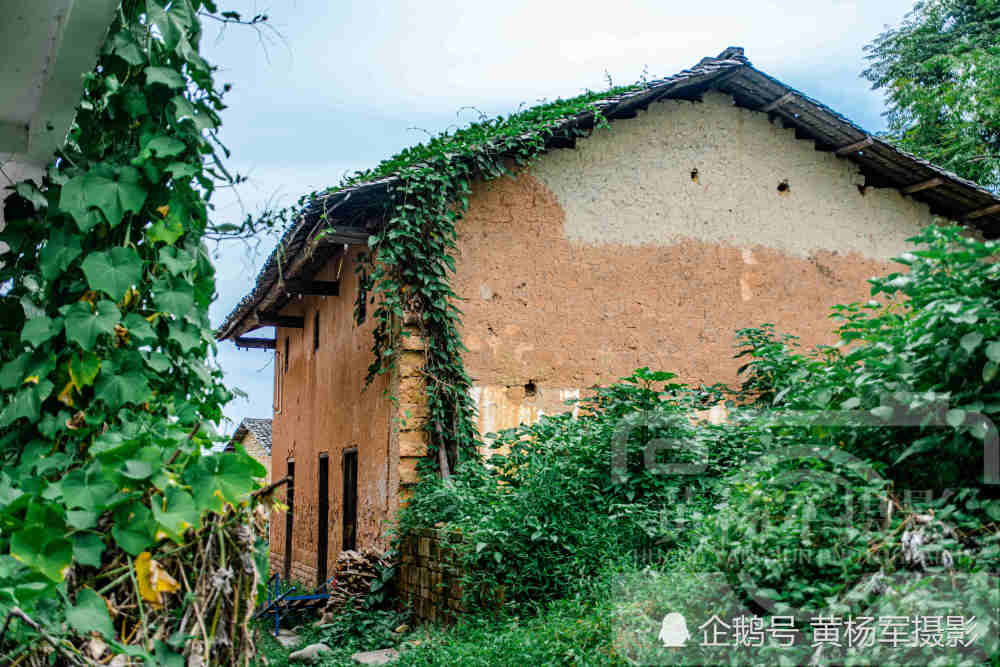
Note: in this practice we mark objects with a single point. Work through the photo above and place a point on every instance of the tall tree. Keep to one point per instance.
(940, 71)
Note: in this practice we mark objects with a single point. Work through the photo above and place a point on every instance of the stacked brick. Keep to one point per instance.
(412, 408)
(429, 577)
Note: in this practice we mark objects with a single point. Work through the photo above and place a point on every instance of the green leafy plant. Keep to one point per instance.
(106, 389)
(934, 68)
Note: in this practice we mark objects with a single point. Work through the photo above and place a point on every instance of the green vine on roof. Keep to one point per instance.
(112, 519)
(407, 275)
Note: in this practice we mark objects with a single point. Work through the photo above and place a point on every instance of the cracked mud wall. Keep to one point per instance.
(652, 243)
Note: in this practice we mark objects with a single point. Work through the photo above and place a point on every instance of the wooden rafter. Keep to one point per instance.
(313, 287)
(982, 212)
(341, 235)
(269, 319)
(784, 99)
(855, 147)
(255, 343)
(923, 185)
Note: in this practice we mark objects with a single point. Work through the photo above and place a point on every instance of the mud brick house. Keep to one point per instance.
(254, 435)
(720, 198)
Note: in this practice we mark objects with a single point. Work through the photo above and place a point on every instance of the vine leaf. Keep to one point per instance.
(113, 193)
(121, 383)
(139, 328)
(39, 329)
(173, 23)
(158, 361)
(175, 512)
(176, 260)
(167, 76)
(176, 299)
(35, 547)
(126, 47)
(83, 369)
(8, 493)
(81, 519)
(87, 549)
(113, 272)
(26, 403)
(84, 325)
(30, 191)
(167, 230)
(217, 480)
(13, 372)
(165, 146)
(133, 529)
(89, 490)
(59, 252)
(90, 614)
(200, 115)
(185, 335)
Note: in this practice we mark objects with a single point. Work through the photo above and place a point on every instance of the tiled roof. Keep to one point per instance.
(260, 428)
(356, 211)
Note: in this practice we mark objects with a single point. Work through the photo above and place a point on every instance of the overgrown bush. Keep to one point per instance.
(799, 505)
(543, 512)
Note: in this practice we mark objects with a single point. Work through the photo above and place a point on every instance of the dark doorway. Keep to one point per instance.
(350, 499)
(323, 527)
(290, 501)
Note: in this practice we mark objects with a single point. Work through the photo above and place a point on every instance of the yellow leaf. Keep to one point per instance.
(66, 395)
(154, 581)
(130, 296)
(31, 379)
(163, 210)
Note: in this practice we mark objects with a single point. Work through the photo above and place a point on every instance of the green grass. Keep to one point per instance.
(576, 630)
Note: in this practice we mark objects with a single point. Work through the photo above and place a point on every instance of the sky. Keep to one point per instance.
(333, 87)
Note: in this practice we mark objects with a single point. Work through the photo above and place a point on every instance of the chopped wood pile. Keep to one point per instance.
(354, 572)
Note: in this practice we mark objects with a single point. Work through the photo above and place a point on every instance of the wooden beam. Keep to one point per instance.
(923, 185)
(267, 319)
(342, 235)
(619, 114)
(784, 99)
(255, 343)
(313, 287)
(855, 147)
(979, 213)
(561, 141)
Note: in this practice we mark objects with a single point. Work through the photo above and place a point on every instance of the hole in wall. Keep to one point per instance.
(784, 187)
(694, 175)
(530, 389)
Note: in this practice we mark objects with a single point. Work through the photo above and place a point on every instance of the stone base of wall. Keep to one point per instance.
(429, 575)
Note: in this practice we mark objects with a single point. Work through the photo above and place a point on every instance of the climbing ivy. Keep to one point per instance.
(410, 259)
(107, 391)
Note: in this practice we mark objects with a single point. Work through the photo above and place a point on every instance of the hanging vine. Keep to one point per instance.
(407, 275)
(117, 534)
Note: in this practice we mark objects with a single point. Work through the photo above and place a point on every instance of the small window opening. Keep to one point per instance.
(530, 389)
(784, 187)
(316, 330)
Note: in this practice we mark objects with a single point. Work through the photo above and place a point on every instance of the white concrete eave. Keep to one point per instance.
(48, 45)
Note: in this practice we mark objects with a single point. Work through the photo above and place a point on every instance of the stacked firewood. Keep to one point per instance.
(354, 573)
